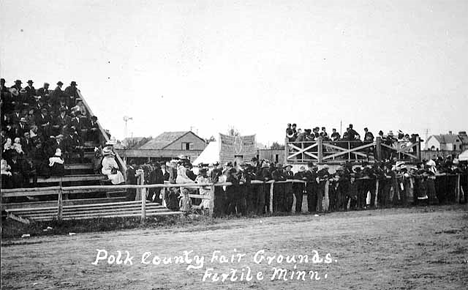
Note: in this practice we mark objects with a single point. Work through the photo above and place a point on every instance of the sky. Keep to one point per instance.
(251, 65)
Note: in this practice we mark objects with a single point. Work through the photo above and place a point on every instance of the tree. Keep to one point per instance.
(276, 146)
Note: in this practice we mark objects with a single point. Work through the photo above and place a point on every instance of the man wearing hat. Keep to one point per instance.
(335, 136)
(263, 174)
(278, 189)
(43, 121)
(288, 188)
(298, 188)
(44, 92)
(17, 85)
(61, 121)
(352, 134)
(30, 90)
(56, 95)
(72, 93)
(311, 187)
(22, 127)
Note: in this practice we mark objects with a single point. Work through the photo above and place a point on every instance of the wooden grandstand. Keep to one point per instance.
(73, 193)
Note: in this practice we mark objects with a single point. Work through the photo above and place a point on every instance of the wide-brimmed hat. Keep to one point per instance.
(30, 82)
(59, 83)
(107, 152)
(18, 82)
(73, 83)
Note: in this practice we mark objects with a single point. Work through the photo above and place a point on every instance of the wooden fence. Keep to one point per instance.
(142, 191)
(341, 151)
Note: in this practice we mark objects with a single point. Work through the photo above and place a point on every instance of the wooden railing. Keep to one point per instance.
(348, 151)
(143, 189)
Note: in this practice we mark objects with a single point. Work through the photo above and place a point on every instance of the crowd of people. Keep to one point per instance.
(40, 130)
(352, 139)
(294, 134)
(387, 184)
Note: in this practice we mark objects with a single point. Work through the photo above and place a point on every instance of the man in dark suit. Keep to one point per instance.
(22, 127)
(62, 121)
(131, 180)
(17, 85)
(156, 176)
(43, 121)
(57, 95)
(93, 131)
(72, 94)
(26, 143)
(30, 90)
(44, 92)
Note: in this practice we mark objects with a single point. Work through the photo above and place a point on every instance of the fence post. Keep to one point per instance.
(320, 149)
(378, 148)
(143, 199)
(212, 200)
(457, 196)
(286, 150)
(60, 202)
(418, 148)
(271, 197)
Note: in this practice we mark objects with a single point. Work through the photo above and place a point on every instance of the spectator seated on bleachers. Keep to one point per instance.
(56, 164)
(111, 168)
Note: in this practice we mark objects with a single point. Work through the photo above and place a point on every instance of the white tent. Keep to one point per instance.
(209, 155)
(463, 156)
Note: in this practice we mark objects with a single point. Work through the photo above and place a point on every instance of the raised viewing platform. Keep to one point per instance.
(338, 152)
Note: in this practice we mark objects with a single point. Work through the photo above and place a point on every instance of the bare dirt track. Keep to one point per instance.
(411, 248)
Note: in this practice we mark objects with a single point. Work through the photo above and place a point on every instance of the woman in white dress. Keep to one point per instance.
(111, 168)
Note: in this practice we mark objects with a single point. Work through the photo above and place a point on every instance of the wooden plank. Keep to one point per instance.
(70, 178)
(30, 193)
(78, 166)
(50, 218)
(89, 212)
(66, 202)
(346, 151)
(18, 219)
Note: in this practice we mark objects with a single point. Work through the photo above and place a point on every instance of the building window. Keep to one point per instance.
(187, 146)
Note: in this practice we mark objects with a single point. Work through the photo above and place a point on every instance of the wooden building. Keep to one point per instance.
(166, 146)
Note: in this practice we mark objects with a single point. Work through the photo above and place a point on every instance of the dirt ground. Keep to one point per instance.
(410, 248)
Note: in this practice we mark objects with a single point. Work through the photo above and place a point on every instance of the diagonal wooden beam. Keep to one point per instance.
(300, 150)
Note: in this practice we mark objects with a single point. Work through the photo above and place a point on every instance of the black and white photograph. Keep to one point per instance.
(246, 144)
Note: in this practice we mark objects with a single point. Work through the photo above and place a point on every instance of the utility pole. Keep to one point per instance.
(126, 119)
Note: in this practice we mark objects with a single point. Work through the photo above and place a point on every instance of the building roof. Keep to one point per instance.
(165, 139)
(447, 138)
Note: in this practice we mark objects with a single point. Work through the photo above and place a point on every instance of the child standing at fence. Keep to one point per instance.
(185, 203)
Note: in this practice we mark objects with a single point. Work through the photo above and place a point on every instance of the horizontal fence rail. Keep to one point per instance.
(142, 190)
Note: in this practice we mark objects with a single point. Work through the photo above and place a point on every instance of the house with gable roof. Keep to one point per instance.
(167, 146)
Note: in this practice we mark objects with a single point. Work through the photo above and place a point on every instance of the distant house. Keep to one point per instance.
(167, 146)
(448, 142)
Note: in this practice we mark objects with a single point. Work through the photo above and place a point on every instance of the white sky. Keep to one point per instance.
(254, 65)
